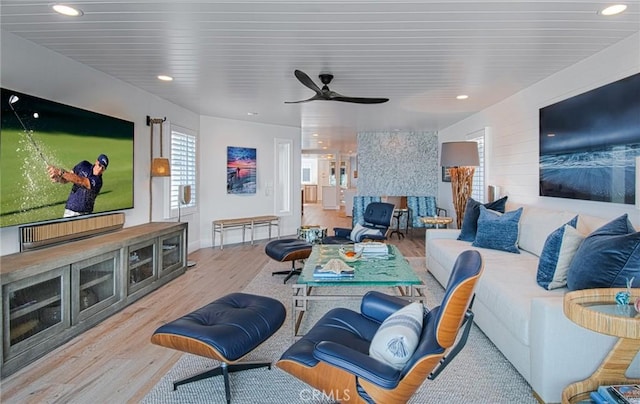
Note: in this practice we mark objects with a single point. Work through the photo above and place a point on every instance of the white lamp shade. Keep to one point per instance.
(459, 154)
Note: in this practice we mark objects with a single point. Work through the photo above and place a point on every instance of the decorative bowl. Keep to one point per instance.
(349, 254)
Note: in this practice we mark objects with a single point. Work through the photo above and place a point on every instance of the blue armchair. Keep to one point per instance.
(422, 206)
(373, 221)
(334, 355)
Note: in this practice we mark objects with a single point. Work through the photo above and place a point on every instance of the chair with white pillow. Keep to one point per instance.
(370, 223)
(384, 353)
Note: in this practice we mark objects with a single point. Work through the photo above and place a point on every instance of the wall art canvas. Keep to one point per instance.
(241, 170)
(446, 177)
(589, 144)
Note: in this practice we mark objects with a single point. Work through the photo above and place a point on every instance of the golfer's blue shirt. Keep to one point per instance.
(80, 199)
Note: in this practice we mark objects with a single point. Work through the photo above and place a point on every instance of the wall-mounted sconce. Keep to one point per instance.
(160, 166)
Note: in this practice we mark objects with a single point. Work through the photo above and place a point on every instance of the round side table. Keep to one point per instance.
(312, 234)
(596, 310)
(436, 220)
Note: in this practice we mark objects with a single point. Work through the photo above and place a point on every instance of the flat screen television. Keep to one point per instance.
(36, 133)
(589, 144)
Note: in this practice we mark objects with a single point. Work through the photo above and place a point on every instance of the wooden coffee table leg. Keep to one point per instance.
(611, 371)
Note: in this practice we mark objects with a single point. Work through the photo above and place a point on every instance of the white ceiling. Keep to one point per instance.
(229, 58)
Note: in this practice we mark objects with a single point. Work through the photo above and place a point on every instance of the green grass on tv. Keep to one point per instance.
(28, 195)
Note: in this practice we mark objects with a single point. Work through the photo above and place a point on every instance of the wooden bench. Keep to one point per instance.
(219, 226)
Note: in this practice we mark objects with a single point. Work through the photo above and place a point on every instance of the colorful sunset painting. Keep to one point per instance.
(241, 170)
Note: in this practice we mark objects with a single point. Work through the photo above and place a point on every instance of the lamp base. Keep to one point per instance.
(461, 186)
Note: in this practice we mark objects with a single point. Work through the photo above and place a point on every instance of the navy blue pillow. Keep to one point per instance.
(472, 213)
(498, 231)
(607, 257)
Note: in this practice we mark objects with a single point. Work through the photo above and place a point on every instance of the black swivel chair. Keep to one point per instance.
(377, 219)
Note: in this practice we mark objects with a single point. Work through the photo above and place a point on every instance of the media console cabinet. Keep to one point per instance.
(53, 294)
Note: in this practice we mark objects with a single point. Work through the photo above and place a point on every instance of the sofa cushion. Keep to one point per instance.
(359, 230)
(537, 223)
(607, 257)
(472, 213)
(506, 286)
(398, 336)
(559, 250)
(498, 231)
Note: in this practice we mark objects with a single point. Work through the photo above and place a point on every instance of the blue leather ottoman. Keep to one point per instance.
(289, 249)
(226, 330)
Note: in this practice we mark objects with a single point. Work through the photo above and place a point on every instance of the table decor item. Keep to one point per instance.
(350, 254)
(623, 298)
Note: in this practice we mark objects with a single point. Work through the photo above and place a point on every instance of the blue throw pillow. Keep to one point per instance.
(607, 257)
(472, 213)
(498, 231)
(552, 269)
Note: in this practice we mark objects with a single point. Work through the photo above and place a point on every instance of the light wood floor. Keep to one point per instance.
(115, 362)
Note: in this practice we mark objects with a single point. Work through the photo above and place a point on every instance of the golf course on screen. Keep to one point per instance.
(62, 136)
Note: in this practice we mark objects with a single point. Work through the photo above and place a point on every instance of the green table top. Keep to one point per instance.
(391, 271)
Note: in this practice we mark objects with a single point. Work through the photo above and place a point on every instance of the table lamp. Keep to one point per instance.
(460, 158)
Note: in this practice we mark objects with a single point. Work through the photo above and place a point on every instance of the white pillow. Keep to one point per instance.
(571, 240)
(359, 230)
(397, 338)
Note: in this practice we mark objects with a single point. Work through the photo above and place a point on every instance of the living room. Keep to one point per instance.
(511, 139)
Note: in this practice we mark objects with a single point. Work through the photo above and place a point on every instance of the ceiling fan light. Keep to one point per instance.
(613, 10)
(67, 10)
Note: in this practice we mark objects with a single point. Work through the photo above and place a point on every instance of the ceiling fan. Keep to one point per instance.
(328, 95)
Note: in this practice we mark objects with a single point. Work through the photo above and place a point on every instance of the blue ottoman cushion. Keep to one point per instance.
(233, 325)
(288, 249)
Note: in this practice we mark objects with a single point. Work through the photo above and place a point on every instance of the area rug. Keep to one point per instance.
(479, 374)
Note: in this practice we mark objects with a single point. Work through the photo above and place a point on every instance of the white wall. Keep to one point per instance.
(513, 149)
(34, 70)
(216, 135)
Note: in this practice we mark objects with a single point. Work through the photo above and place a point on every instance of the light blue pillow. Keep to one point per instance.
(398, 336)
(469, 226)
(498, 231)
(549, 259)
(607, 257)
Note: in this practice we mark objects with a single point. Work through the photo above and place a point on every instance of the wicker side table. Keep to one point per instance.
(436, 220)
(596, 310)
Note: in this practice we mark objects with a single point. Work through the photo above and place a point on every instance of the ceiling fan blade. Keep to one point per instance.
(306, 80)
(360, 100)
(314, 98)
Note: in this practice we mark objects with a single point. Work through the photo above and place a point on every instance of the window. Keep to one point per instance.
(478, 191)
(284, 181)
(183, 168)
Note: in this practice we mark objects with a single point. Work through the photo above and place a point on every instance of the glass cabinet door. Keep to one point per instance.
(141, 265)
(172, 253)
(38, 309)
(95, 285)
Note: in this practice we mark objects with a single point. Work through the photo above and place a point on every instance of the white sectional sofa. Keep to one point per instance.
(525, 321)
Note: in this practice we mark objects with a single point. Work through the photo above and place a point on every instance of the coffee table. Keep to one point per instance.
(393, 272)
(596, 310)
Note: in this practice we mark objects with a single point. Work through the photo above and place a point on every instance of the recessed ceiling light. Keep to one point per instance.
(67, 10)
(164, 77)
(252, 113)
(319, 141)
(324, 148)
(462, 97)
(613, 10)
(315, 135)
